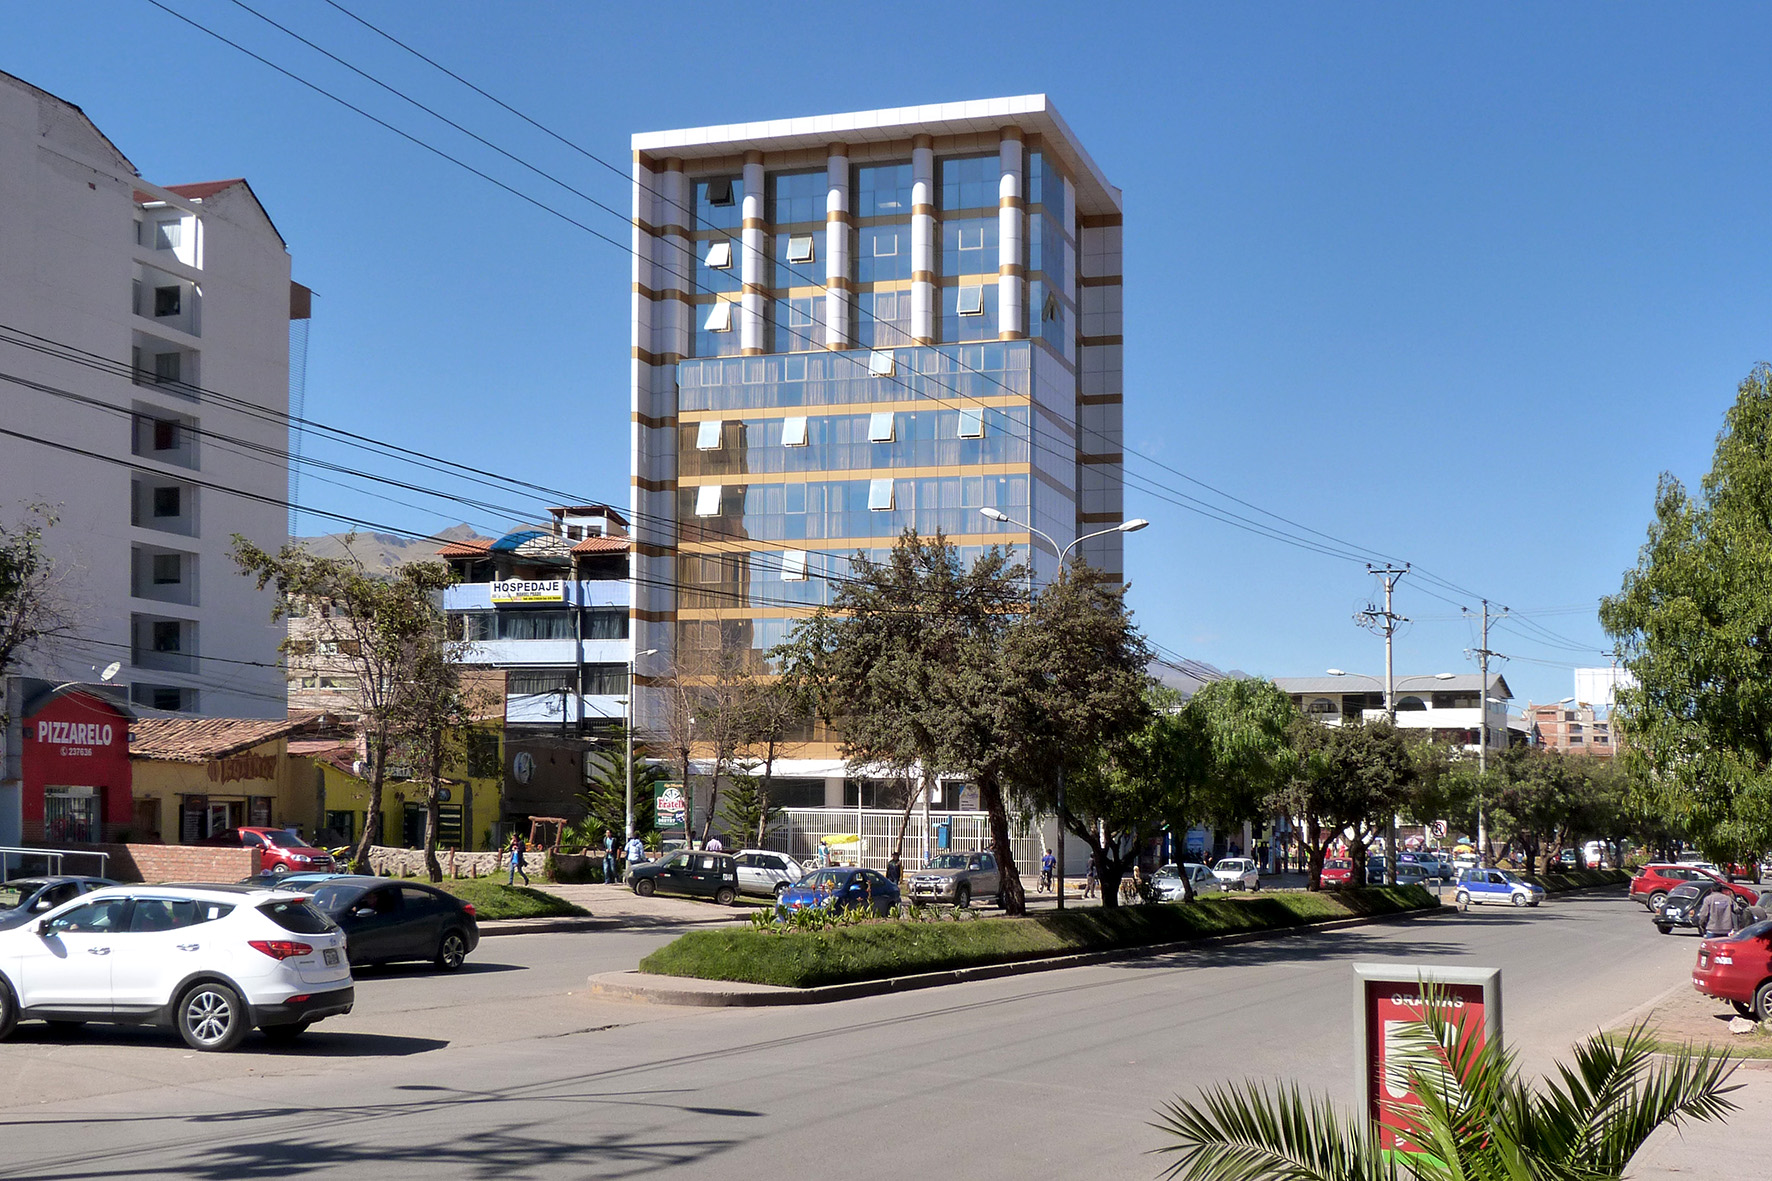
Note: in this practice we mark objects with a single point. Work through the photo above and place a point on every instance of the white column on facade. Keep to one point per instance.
(837, 334)
(1011, 258)
(923, 240)
(755, 263)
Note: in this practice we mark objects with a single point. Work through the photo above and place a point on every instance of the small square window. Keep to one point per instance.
(720, 254)
(719, 317)
(800, 248)
(166, 301)
(793, 431)
(880, 426)
(971, 302)
(166, 502)
(708, 434)
(167, 235)
(720, 191)
(793, 566)
(166, 637)
(972, 424)
(881, 363)
(707, 500)
(165, 434)
(168, 699)
(167, 367)
(880, 495)
(166, 570)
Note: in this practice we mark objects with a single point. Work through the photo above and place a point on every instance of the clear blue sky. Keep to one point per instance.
(1455, 283)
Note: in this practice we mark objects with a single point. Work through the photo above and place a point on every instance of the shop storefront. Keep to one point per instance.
(75, 770)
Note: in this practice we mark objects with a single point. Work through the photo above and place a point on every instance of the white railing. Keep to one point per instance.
(797, 833)
(51, 858)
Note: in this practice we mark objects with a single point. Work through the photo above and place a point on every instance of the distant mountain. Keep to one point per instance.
(385, 551)
(1187, 676)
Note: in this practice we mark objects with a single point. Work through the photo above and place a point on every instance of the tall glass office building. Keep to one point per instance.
(845, 325)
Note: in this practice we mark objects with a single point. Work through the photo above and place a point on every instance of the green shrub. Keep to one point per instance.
(840, 952)
(495, 900)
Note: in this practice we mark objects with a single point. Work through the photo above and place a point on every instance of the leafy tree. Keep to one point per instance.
(907, 657)
(1344, 783)
(378, 627)
(1693, 624)
(1532, 795)
(775, 711)
(431, 720)
(1478, 1120)
(605, 798)
(33, 603)
(748, 811)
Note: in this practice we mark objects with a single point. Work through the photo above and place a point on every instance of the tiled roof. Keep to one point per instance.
(465, 549)
(196, 192)
(602, 545)
(319, 746)
(197, 740)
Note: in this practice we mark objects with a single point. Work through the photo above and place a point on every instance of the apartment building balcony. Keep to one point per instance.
(478, 596)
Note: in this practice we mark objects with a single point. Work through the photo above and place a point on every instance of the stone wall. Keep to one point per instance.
(411, 862)
(163, 863)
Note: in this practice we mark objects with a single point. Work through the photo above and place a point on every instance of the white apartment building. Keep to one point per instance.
(1448, 705)
(144, 377)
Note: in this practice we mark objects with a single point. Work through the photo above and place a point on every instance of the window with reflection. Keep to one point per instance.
(970, 182)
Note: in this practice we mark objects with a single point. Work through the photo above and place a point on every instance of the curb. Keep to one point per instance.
(636, 986)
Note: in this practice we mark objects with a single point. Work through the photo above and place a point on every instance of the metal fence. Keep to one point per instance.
(24, 862)
(798, 831)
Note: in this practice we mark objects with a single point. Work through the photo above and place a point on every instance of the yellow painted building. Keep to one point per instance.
(465, 819)
(194, 777)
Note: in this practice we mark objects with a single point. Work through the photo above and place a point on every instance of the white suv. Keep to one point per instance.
(209, 961)
(761, 871)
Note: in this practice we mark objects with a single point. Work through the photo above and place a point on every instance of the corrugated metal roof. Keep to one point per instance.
(1359, 683)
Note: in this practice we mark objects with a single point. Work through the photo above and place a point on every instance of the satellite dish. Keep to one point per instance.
(111, 670)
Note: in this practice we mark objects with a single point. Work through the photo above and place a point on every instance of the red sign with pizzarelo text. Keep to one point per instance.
(1390, 1000)
(76, 756)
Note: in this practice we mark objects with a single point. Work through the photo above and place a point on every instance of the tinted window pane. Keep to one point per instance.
(300, 917)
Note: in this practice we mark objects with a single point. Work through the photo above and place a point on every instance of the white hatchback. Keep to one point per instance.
(1237, 873)
(209, 961)
(767, 873)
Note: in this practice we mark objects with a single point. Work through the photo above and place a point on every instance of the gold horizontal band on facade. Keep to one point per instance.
(654, 423)
(1101, 281)
(652, 549)
(673, 230)
(755, 289)
(923, 277)
(651, 617)
(838, 345)
(688, 417)
(751, 352)
(1012, 270)
(828, 475)
(922, 341)
(651, 358)
(1009, 335)
(1010, 202)
(836, 217)
(668, 293)
(1098, 342)
(754, 223)
(922, 209)
(643, 483)
(644, 226)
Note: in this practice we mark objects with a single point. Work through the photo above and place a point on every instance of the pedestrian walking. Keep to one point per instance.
(1716, 914)
(636, 850)
(824, 853)
(608, 856)
(1089, 879)
(894, 868)
(518, 847)
(714, 845)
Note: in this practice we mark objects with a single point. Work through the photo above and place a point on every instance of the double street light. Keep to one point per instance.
(1063, 552)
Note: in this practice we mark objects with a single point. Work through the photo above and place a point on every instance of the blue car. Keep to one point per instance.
(839, 888)
(1496, 885)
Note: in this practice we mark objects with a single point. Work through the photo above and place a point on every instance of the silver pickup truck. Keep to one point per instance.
(957, 878)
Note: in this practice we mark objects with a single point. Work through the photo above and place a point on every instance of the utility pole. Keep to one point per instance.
(1483, 655)
(1371, 619)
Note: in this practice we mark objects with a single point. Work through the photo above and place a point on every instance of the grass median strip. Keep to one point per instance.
(495, 900)
(874, 951)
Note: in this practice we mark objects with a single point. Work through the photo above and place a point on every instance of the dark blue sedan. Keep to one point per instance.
(839, 888)
(23, 899)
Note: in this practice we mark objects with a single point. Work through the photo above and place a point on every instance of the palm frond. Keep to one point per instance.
(1247, 1132)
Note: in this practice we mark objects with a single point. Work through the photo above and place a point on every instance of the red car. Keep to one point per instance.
(1652, 883)
(1337, 873)
(280, 850)
(1738, 968)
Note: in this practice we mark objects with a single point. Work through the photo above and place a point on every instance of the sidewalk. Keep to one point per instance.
(617, 908)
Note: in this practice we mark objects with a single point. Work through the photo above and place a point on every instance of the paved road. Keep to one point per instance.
(510, 1071)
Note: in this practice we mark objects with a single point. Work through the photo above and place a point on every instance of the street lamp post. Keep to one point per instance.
(1132, 526)
(628, 733)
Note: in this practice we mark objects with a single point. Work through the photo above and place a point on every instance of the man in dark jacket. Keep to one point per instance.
(1716, 914)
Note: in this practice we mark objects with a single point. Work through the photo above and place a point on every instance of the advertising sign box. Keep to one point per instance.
(669, 805)
(1388, 997)
(526, 590)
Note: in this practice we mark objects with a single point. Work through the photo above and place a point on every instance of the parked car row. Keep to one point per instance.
(275, 952)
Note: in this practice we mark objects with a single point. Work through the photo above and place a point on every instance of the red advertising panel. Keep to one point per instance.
(1389, 999)
(76, 770)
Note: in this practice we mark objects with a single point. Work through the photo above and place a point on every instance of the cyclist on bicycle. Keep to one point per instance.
(1047, 863)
